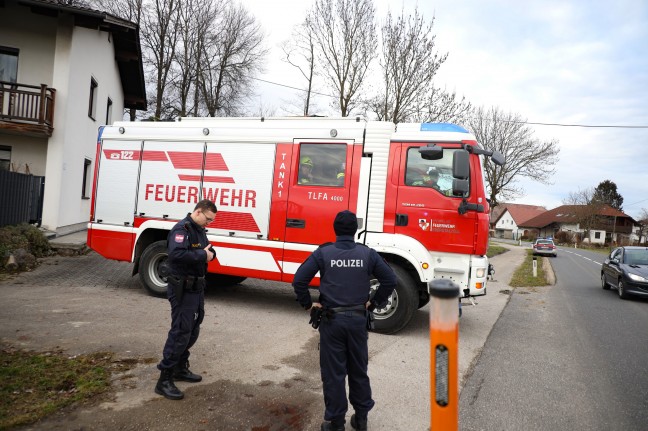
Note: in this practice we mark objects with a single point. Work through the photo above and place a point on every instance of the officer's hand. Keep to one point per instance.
(211, 254)
(315, 305)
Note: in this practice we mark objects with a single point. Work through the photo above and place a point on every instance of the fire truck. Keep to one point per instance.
(417, 188)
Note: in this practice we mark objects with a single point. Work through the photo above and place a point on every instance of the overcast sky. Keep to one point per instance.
(550, 61)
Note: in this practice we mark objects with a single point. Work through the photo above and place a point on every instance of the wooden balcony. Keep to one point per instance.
(27, 109)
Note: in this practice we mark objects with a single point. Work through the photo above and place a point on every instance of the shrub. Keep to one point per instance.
(23, 236)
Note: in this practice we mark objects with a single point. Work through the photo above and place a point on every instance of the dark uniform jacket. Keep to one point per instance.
(186, 243)
(346, 269)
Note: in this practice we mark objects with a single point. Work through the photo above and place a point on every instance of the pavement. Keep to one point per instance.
(258, 356)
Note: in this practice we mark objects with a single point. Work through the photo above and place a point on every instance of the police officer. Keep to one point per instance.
(189, 252)
(346, 269)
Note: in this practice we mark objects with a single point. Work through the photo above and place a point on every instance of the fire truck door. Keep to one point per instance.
(319, 189)
(116, 189)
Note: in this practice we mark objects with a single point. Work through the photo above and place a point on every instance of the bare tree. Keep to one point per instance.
(643, 226)
(408, 65)
(299, 52)
(159, 36)
(232, 55)
(444, 107)
(345, 36)
(195, 18)
(525, 155)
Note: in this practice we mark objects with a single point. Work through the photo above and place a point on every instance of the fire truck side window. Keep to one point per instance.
(322, 165)
(435, 174)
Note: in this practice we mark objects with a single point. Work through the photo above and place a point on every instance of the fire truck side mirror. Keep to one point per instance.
(460, 165)
(460, 187)
(498, 158)
(433, 152)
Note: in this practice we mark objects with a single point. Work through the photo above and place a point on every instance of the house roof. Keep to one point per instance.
(519, 212)
(125, 36)
(569, 214)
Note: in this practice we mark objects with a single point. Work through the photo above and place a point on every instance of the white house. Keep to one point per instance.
(64, 71)
(507, 218)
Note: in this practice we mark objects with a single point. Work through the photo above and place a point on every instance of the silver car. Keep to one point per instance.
(545, 247)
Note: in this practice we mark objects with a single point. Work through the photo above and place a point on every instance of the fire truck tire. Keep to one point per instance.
(424, 298)
(152, 261)
(222, 280)
(401, 306)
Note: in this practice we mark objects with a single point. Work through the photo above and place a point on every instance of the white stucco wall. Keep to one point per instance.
(80, 55)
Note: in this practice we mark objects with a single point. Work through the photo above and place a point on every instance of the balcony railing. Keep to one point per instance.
(27, 108)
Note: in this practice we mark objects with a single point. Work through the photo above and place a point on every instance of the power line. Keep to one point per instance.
(603, 126)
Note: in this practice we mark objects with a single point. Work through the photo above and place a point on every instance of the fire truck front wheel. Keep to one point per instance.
(401, 305)
(152, 268)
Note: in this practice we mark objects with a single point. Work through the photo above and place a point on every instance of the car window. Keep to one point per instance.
(636, 257)
(544, 241)
(616, 254)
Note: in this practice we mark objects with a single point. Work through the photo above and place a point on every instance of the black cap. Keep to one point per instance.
(346, 223)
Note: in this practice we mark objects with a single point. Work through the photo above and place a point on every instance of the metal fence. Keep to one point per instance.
(21, 198)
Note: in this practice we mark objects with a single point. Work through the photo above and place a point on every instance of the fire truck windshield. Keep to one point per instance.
(435, 174)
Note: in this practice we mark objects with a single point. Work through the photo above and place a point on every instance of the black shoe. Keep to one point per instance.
(182, 373)
(357, 423)
(329, 426)
(166, 387)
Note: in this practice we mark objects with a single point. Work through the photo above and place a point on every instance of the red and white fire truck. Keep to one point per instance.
(418, 191)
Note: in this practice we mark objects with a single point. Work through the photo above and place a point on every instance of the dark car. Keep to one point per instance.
(545, 247)
(626, 268)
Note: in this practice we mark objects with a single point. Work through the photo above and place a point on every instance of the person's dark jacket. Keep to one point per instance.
(186, 243)
(346, 269)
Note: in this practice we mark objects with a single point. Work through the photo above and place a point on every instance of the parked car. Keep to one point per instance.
(626, 269)
(545, 247)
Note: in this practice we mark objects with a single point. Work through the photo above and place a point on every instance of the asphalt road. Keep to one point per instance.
(256, 351)
(566, 357)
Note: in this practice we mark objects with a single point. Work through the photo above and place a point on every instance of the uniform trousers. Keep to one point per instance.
(344, 351)
(186, 318)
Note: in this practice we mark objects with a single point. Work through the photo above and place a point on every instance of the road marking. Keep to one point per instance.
(584, 257)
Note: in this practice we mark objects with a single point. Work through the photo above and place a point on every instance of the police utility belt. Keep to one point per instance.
(186, 284)
(323, 314)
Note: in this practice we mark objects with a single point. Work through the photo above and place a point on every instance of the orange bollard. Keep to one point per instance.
(444, 356)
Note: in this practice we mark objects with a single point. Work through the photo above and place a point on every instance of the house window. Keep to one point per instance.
(92, 108)
(597, 235)
(8, 64)
(85, 191)
(5, 158)
(109, 112)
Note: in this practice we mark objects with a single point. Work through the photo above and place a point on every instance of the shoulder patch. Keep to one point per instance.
(179, 238)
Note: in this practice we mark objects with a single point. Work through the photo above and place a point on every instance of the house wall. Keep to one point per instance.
(80, 55)
(505, 226)
(34, 36)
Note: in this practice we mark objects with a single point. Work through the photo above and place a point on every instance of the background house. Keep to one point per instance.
(507, 218)
(64, 71)
(594, 224)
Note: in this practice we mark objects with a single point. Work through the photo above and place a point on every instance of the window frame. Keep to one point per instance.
(87, 164)
(14, 52)
(92, 103)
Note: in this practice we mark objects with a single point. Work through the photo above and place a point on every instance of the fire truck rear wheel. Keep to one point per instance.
(152, 270)
(401, 305)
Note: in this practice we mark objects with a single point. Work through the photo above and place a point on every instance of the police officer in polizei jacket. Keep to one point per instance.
(189, 253)
(346, 269)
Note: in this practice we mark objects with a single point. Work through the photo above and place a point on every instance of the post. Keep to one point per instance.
(444, 355)
(535, 266)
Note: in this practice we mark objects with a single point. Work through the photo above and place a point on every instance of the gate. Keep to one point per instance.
(21, 198)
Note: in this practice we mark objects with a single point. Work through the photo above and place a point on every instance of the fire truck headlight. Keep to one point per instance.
(481, 272)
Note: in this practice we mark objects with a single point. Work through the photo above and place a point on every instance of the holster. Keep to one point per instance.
(316, 317)
(370, 321)
(177, 284)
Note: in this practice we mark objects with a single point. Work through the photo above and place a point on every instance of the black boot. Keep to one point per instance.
(181, 372)
(358, 423)
(166, 387)
(331, 426)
